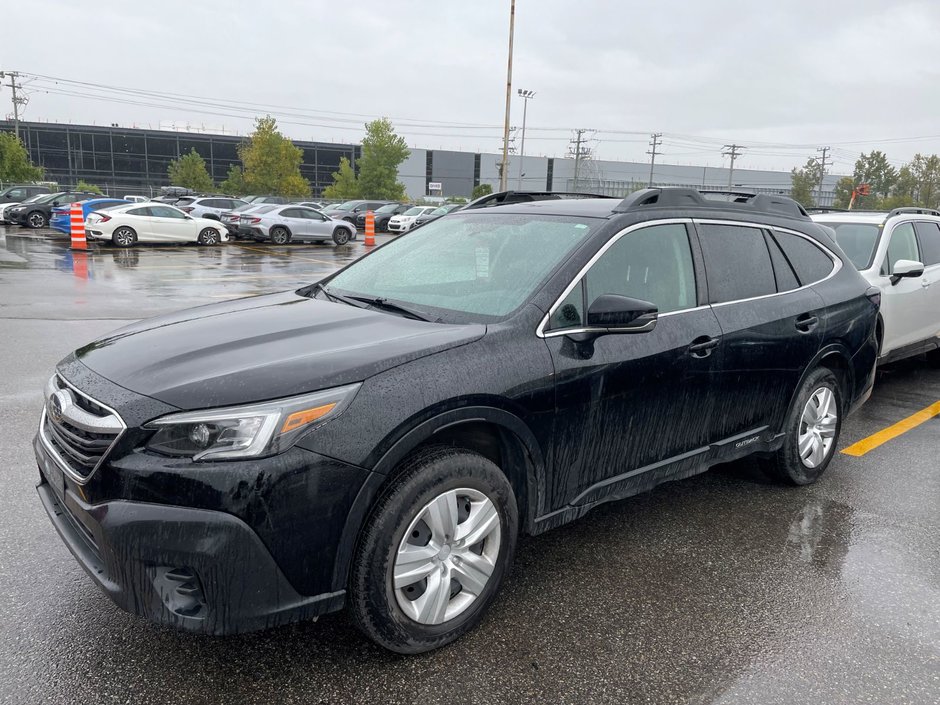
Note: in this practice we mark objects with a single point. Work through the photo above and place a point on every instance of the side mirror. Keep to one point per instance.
(904, 268)
(611, 313)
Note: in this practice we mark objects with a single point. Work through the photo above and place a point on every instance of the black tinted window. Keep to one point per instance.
(651, 264)
(810, 263)
(783, 272)
(737, 263)
(929, 236)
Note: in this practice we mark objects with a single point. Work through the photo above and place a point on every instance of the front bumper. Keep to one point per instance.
(260, 557)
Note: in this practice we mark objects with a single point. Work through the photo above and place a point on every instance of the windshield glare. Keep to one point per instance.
(490, 266)
(387, 209)
(857, 240)
(414, 211)
(347, 206)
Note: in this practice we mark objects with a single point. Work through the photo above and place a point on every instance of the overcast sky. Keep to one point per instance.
(780, 78)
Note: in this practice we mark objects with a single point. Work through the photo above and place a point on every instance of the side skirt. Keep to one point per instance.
(758, 440)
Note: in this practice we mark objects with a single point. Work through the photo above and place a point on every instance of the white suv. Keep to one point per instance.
(899, 252)
(211, 207)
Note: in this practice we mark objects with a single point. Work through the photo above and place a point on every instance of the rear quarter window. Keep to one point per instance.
(810, 263)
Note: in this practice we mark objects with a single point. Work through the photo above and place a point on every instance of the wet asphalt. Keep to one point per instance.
(725, 588)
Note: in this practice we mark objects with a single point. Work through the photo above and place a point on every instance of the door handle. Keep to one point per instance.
(925, 283)
(703, 346)
(806, 322)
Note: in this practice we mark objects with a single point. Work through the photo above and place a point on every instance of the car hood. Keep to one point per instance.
(261, 348)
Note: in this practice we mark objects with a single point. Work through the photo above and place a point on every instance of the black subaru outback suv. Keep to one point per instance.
(380, 439)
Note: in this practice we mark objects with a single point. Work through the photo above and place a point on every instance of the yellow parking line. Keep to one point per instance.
(913, 421)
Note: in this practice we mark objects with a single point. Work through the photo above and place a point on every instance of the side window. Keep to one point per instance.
(903, 245)
(652, 264)
(810, 263)
(783, 272)
(16, 194)
(291, 213)
(164, 212)
(139, 211)
(737, 263)
(929, 236)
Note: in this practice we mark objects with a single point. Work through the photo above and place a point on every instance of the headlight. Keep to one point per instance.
(246, 431)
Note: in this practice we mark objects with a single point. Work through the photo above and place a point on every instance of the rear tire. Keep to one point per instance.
(812, 431)
(124, 237)
(447, 529)
(341, 236)
(280, 236)
(37, 219)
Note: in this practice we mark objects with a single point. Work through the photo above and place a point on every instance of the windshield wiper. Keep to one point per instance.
(386, 305)
(336, 297)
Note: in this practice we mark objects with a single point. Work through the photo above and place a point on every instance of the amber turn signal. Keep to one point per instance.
(302, 418)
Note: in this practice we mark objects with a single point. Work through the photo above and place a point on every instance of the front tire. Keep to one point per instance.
(341, 236)
(209, 236)
(434, 551)
(280, 236)
(123, 237)
(812, 430)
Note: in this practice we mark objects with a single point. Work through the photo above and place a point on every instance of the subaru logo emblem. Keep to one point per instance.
(57, 405)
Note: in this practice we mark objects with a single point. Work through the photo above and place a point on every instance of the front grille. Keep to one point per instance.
(79, 430)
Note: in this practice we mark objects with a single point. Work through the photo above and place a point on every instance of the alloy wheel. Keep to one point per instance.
(818, 427)
(124, 237)
(37, 220)
(447, 556)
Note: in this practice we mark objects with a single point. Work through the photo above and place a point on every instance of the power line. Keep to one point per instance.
(822, 169)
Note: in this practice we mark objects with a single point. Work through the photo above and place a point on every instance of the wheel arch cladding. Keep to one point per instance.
(835, 359)
(493, 433)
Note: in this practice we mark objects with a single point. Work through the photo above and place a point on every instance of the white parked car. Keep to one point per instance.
(283, 224)
(136, 199)
(899, 252)
(152, 222)
(405, 221)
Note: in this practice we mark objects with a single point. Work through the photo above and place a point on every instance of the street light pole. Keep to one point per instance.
(525, 95)
(503, 171)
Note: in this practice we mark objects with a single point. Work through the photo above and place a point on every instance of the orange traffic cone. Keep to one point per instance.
(370, 229)
(77, 227)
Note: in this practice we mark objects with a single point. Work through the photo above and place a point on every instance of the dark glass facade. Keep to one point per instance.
(126, 160)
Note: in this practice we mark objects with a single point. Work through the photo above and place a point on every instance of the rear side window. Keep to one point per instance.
(292, 213)
(783, 272)
(737, 263)
(809, 262)
(929, 236)
(903, 245)
(651, 264)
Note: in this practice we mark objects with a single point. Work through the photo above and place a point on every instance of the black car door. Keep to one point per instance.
(771, 325)
(630, 406)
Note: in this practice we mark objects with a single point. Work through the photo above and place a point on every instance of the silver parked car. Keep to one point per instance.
(283, 224)
(211, 207)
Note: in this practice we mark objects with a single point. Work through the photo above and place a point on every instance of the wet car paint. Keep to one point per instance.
(723, 588)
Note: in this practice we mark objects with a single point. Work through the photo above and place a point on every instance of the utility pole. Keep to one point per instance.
(654, 143)
(733, 151)
(822, 171)
(17, 100)
(526, 96)
(579, 138)
(504, 171)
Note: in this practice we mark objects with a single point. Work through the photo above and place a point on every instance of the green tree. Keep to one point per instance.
(271, 163)
(382, 153)
(843, 192)
(345, 185)
(480, 190)
(925, 173)
(14, 160)
(234, 182)
(189, 171)
(83, 185)
(804, 181)
(875, 170)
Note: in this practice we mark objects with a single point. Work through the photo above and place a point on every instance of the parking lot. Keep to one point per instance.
(726, 588)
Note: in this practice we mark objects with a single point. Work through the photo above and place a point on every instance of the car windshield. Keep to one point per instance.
(414, 211)
(347, 206)
(36, 198)
(47, 197)
(857, 240)
(390, 208)
(265, 209)
(439, 211)
(470, 268)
